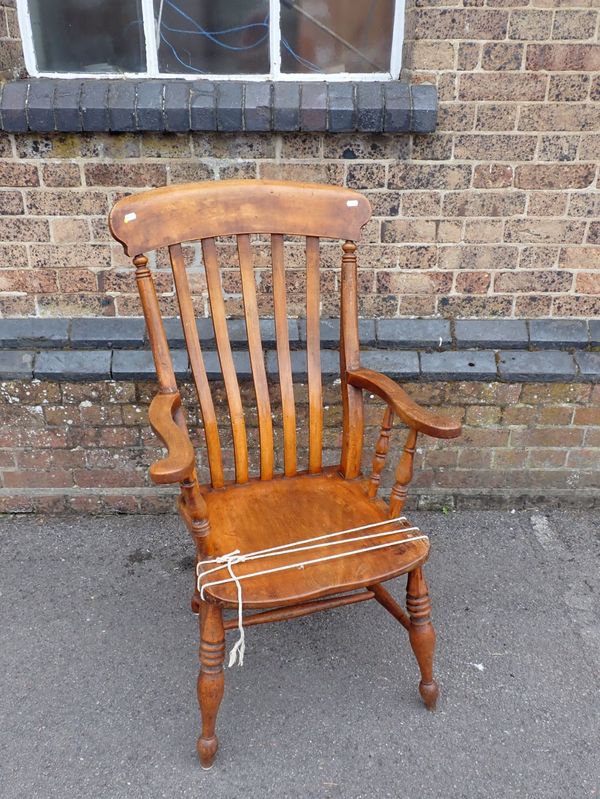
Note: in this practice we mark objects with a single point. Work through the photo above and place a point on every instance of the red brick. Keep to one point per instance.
(492, 176)
(563, 57)
(125, 174)
(482, 204)
(552, 281)
(473, 282)
(502, 86)
(15, 174)
(555, 176)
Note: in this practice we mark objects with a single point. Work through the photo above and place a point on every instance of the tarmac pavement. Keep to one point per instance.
(98, 664)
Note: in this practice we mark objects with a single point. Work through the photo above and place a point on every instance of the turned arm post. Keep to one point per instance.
(381, 451)
(404, 473)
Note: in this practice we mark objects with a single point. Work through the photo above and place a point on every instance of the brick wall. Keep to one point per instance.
(87, 446)
(494, 215)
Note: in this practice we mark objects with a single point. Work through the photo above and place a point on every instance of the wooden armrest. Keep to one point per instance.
(180, 460)
(398, 400)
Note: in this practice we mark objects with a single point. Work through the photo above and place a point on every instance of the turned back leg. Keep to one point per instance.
(422, 634)
(210, 680)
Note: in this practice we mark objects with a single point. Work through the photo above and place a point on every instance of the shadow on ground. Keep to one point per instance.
(98, 662)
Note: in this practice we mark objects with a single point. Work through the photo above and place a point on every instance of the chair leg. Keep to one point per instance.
(210, 680)
(422, 634)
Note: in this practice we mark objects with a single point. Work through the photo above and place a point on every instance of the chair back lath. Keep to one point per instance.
(169, 217)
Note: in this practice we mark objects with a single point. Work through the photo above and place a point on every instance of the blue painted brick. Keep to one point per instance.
(14, 96)
(557, 333)
(67, 114)
(491, 333)
(257, 106)
(33, 333)
(424, 108)
(413, 333)
(341, 110)
(177, 106)
(121, 106)
(40, 105)
(16, 365)
(286, 106)
(369, 100)
(107, 332)
(397, 107)
(589, 365)
(229, 106)
(466, 365)
(72, 365)
(203, 106)
(400, 364)
(149, 105)
(313, 107)
(545, 365)
(94, 105)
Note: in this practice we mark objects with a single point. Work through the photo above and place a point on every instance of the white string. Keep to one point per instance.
(286, 547)
(232, 558)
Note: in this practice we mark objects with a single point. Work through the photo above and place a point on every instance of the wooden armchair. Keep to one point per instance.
(272, 511)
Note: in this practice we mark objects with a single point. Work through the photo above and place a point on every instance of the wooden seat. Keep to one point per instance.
(298, 501)
(260, 515)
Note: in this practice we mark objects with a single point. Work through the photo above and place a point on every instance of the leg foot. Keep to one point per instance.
(429, 693)
(195, 603)
(422, 635)
(211, 680)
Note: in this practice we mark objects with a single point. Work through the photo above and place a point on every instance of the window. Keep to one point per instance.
(268, 39)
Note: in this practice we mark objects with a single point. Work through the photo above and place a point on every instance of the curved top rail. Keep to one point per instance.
(191, 211)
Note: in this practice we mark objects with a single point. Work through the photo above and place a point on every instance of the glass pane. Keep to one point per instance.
(204, 36)
(88, 35)
(336, 36)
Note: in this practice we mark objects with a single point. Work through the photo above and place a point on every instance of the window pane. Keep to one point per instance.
(336, 36)
(88, 35)
(205, 36)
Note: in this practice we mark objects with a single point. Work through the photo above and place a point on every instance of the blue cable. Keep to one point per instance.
(198, 33)
(305, 62)
(210, 35)
(174, 51)
(206, 33)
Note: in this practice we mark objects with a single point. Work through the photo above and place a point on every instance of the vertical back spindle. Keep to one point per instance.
(257, 361)
(236, 411)
(190, 331)
(288, 406)
(313, 356)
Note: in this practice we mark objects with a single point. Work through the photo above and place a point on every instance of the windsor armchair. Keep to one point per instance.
(274, 510)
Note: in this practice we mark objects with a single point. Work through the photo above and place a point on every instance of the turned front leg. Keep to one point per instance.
(422, 634)
(210, 680)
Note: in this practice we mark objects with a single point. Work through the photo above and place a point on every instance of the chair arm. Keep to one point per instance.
(180, 461)
(403, 406)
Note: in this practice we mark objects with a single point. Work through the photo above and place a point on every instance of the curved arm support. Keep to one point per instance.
(180, 461)
(413, 415)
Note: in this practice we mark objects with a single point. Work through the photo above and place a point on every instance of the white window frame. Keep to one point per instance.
(275, 74)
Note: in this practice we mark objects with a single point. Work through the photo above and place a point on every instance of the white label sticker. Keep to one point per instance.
(129, 217)
(351, 203)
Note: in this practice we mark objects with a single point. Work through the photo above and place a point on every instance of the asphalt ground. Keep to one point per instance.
(98, 664)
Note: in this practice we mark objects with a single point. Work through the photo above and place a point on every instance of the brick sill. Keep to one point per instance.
(43, 105)
(408, 349)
